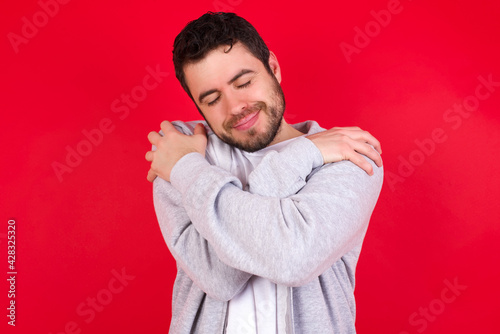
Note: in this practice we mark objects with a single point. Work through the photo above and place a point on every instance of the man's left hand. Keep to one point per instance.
(348, 143)
(171, 147)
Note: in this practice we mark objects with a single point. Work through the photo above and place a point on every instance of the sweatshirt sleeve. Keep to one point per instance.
(281, 174)
(191, 251)
(292, 225)
(193, 254)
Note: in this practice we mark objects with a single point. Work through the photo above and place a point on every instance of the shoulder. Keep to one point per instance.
(308, 127)
(187, 128)
(217, 151)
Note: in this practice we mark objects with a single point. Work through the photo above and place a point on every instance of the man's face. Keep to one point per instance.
(241, 101)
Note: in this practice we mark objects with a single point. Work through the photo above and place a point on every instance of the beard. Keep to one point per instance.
(257, 140)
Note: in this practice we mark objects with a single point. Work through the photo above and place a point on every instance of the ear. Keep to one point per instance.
(275, 66)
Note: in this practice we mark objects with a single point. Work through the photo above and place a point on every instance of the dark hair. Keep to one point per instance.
(210, 31)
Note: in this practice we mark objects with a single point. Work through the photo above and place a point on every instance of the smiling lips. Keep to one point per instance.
(247, 122)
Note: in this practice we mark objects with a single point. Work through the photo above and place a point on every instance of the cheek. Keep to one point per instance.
(215, 118)
(271, 90)
(259, 93)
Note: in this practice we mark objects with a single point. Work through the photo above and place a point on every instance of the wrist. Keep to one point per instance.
(187, 167)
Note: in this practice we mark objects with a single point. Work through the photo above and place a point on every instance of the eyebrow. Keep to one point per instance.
(233, 79)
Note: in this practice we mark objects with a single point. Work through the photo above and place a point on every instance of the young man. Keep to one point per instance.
(264, 219)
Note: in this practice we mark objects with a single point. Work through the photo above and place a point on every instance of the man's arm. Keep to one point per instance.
(291, 182)
(336, 144)
(191, 251)
(288, 240)
(281, 174)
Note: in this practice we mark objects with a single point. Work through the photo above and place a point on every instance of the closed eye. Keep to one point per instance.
(245, 84)
(211, 103)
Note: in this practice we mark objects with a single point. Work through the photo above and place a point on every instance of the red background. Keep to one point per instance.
(437, 221)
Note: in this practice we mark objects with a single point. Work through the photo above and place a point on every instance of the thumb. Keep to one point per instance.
(199, 129)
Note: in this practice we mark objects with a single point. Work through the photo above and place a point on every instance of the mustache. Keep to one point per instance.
(253, 108)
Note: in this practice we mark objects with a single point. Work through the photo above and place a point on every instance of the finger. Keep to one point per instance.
(370, 139)
(374, 142)
(377, 147)
(154, 137)
(199, 129)
(361, 162)
(375, 157)
(369, 152)
(166, 126)
(149, 156)
(365, 136)
(349, 128)
(151, 175)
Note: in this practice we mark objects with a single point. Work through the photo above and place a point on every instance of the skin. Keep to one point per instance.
(235, 87)
(243, 104)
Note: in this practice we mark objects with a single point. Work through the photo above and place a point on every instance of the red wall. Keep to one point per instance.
(417, 80)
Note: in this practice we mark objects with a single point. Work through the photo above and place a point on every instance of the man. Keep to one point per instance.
(264, 219)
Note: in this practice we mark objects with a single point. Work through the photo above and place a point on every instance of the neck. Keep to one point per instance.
(285, 132)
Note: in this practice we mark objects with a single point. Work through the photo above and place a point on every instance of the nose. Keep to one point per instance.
(235, 103)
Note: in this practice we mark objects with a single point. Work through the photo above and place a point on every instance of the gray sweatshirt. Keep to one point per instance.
(300, 224)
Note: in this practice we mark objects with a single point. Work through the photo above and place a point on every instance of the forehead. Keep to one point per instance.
(219, 66)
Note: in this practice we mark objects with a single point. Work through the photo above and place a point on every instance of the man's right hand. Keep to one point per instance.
(348, 143)
(171, 147)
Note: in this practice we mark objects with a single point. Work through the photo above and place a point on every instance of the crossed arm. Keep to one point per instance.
(336, 144)
(214, 242)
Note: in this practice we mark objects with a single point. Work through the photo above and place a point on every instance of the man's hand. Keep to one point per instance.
(348, 143)
(172, 147)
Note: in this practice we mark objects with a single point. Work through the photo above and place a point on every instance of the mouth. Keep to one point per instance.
(247, 122)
